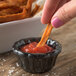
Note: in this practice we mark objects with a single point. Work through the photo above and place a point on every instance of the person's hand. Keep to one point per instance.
(58, 12)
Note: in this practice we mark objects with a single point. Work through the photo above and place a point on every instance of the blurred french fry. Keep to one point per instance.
(34, 11)
(29, 5)
(40, 8)
(17, 2)
(11, 16)
(11, 10)
(3, 4)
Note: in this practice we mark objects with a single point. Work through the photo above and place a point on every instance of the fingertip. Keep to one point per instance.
(56, 22)
(44, 20)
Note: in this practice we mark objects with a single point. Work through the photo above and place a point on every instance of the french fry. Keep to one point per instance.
(34, 11)
(45, 35)
(11, 16)
(39, 9)
(3, 4)
(29, 5)
(17, 2)
(11, 10)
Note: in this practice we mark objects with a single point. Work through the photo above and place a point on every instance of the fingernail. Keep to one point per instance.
(56, 22)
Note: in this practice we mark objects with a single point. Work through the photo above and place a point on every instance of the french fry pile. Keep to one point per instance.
(11, 10)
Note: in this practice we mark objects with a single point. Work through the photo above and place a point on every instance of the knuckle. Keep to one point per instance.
(65, 14)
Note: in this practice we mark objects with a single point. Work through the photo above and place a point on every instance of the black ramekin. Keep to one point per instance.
(37, 63)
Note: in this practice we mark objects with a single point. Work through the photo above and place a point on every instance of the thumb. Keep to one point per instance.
(64, 14)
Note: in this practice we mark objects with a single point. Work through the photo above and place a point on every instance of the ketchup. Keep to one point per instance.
(31, 48)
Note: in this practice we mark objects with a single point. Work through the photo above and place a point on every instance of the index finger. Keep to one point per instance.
(49, 9)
